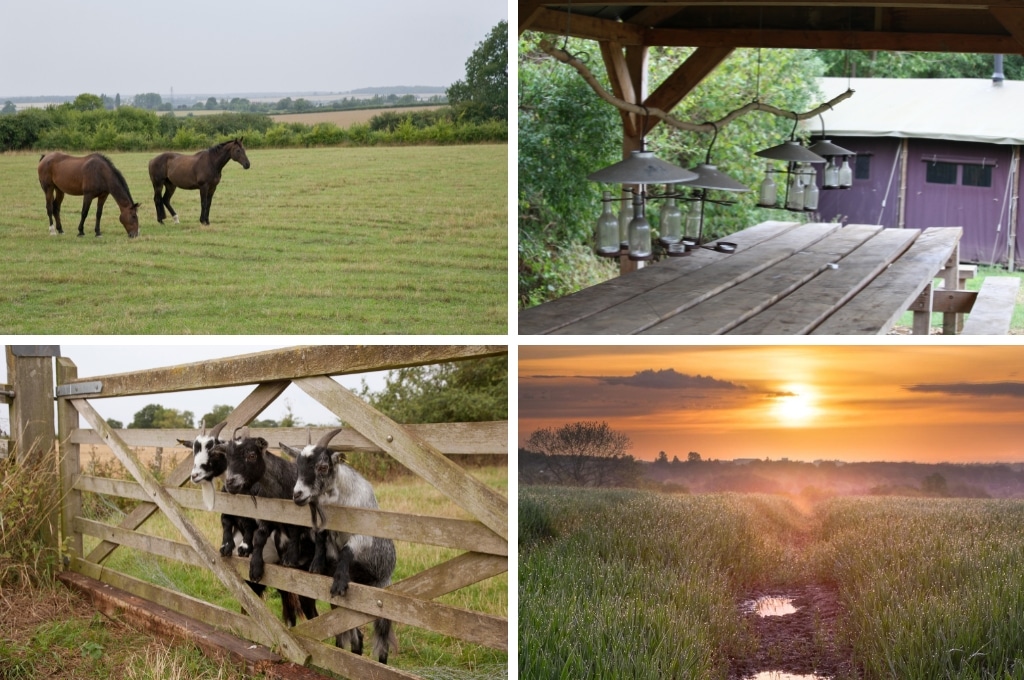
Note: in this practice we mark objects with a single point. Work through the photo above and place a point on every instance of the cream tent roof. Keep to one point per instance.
(956, 109)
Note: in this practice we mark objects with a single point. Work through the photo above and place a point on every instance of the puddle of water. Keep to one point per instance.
(770, 606)
(780, 675)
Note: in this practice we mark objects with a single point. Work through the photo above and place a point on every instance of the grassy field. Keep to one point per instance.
(634, 584)
(401, 240)
(421, 652)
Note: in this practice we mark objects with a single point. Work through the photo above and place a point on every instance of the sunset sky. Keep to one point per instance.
(863, 403)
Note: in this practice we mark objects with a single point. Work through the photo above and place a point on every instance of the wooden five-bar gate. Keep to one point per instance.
(422, 449)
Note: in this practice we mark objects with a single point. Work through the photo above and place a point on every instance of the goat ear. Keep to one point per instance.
(185, 442)
(262, 443)
(337, 457)
(294, 453)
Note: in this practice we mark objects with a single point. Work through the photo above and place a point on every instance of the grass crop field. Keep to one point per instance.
(636, 584)
(421, 652)
(397, 240)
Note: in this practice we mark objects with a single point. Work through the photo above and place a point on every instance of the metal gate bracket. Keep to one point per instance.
(35, 350)
(76, 389)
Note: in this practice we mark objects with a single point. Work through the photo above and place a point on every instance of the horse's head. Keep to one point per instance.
(238, 153)
(130, 219)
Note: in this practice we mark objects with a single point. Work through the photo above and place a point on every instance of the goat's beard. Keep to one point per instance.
(316, 515)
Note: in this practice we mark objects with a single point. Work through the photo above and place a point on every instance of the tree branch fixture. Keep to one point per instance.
(667, 118)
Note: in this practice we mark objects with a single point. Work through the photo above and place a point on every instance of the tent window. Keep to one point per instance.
(940, 173)
(862, 168)
(977, 175)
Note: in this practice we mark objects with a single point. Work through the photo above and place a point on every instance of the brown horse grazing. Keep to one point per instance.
(170, 171)
(93, 176)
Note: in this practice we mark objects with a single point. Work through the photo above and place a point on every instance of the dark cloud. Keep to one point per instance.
(670, 379)
(994, 389)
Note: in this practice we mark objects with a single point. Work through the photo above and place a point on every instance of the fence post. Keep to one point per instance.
(70, 465)
(30, 372)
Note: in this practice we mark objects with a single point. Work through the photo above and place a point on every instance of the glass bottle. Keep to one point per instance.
(625, 215)
(769, 194)
(845, 174)
(639, 232)
(606, 234)
(671, 219)
(692, 230)
(831, 174)
(810, 182)
(795, 195)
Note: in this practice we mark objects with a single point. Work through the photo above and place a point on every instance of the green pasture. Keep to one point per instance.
(1016, 322)
(636, 584)
(397, 240)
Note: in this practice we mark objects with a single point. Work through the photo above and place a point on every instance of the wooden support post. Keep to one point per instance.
(951, 322)
(923, 312)
(69, 459)
(212, 559)
(32, 443)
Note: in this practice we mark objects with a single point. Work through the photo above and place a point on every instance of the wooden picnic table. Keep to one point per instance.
(784, 278)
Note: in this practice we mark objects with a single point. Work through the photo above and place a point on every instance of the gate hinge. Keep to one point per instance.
(76, 389)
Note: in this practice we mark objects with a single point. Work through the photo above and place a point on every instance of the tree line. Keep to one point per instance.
(477, 112)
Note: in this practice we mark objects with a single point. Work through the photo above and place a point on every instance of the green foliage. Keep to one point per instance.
(876, 64)
(460, 392)
(154, 416)
(483, 95)
(87, 102)
(565, 133)
(217, 414)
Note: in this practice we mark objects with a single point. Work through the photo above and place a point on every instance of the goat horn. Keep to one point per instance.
(215, 432)
(325, 440)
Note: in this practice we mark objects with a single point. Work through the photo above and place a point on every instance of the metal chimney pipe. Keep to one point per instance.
(997, 75)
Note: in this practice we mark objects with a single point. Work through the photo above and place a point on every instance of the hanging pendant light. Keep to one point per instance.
(642, 167)
(791, 151)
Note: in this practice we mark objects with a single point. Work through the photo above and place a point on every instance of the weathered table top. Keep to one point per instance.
(785, 278)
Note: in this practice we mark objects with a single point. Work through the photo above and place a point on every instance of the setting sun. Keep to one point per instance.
(795, 407)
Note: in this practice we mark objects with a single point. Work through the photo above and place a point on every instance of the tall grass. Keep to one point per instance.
(933, 588)
(400, 240)
(633, 584)
(27, 555)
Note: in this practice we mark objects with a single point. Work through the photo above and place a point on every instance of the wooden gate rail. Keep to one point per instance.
(421, 448)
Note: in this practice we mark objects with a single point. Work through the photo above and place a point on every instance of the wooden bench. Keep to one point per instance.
(993, 307)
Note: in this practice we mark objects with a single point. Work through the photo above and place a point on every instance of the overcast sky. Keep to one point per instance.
(95, 360)
(67, 47)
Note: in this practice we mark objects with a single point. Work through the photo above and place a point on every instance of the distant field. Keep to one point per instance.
(345, 118)
(398, 240)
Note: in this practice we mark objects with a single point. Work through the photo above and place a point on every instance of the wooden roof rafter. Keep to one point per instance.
(995, 26)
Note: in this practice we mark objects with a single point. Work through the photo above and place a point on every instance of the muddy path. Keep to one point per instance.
(796, 626)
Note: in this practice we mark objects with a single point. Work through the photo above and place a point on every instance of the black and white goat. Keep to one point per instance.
(325, 479)
(209, 462)
(253, 470)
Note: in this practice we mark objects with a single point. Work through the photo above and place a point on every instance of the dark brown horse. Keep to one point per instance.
(93, 176)
(170, 171)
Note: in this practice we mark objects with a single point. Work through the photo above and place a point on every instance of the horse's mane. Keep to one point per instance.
(120, 178)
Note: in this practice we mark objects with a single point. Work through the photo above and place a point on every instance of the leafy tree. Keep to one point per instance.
(148, 100)
(87, 102)
(217, 414)
(117, 100)
(693, 457)
(840, 63)
(154, 416)
(458, 392)
(662, 458)
(211, 104)
(483, 95)
(115, 424)
(585, 453)
(935, 485)
(9, 108)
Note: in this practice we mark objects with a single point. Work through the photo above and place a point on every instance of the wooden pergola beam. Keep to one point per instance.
(638, 34)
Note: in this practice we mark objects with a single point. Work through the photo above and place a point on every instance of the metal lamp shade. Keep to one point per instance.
(827, 148)
(710, 177)
(792, 152)
(642, 168)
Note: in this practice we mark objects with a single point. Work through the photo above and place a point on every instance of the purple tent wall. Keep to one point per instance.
(983, 212)
(862, 204)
